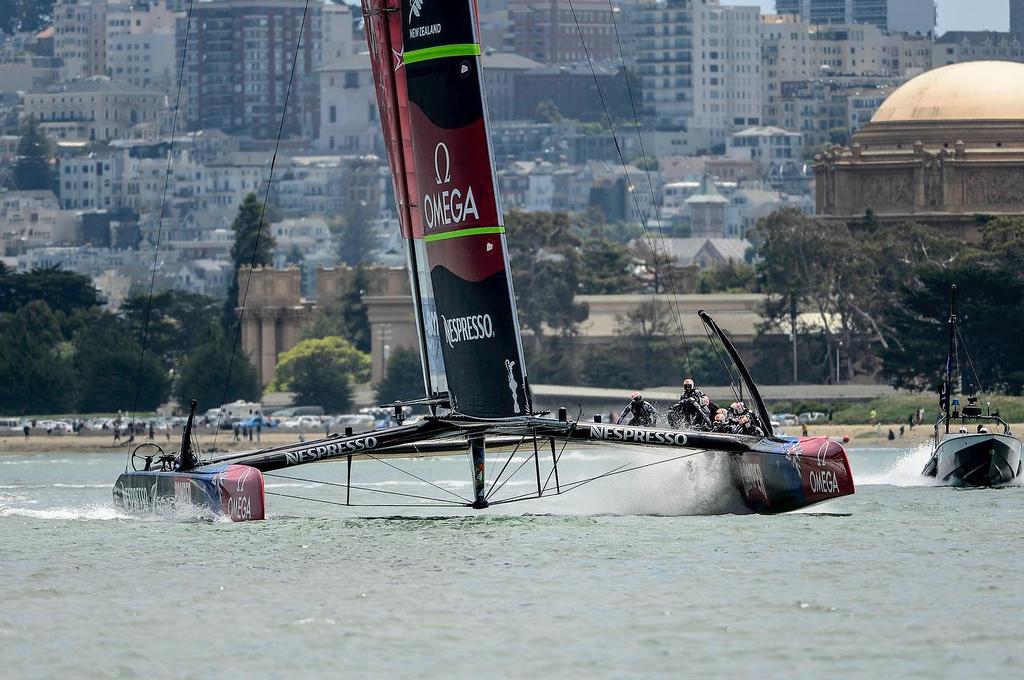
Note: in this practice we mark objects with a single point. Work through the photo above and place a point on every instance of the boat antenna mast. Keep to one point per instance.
(947, 386)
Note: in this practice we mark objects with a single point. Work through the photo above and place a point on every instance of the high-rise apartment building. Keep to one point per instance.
(1017, 16)
(80, 37)
(140, 44)
(906, 16)
(817, 78)
(239, 61)
(546, 30)
(700, 68)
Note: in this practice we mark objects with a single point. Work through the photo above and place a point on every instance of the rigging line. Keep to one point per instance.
(647, 171)
(505, 466)
(619, 470)
(565, 443)
(525, 460)
(364, 505)
(163, 207)
(622, 160)
(714, 343)
(970, 362)
(406, 472)
(356, 487)
(263, 209)
(622, 469)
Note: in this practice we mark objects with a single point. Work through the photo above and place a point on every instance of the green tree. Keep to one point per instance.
(357, 239)
(403, 377)
(606, 268)
(545, 259)
(547, 112)
(106, 359)
(347, 317)
(204, 375)
(32, 165)
(846, 277)
(178, 322)
(36, 375)
(27, 16)
(732, 277)
(991, 318)
(63, 291)
(253, 246)
(321, 372)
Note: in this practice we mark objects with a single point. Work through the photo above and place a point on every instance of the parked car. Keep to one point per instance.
(812, 417)
(786, 418)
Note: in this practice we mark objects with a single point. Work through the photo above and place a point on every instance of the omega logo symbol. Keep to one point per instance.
(440, 149)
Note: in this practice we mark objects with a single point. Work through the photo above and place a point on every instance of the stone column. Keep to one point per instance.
(251, 338)
(268, 345)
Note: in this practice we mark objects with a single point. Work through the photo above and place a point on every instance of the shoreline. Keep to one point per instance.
(861, 436)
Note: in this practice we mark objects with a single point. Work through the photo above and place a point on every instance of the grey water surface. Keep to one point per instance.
(623, 579)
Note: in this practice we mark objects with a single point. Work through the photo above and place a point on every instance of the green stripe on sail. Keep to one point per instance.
(453, 50)
(463, 232)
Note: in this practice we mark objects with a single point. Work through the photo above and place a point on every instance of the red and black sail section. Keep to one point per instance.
(440, 158)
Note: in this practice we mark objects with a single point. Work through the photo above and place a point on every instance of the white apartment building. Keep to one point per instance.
(94, 109)
(141, 45)
(727, 69)
(80, 37)
(955, 47)
(91, 182)
(349, 119)
(338, 41)
(795, 53)
(765, 145)
(34, 218)
(700, 70)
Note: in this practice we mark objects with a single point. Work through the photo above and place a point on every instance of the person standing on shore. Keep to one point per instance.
(26, 429)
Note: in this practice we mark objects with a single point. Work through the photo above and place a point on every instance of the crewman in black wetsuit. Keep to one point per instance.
(692, 411)
(741, 421)
(640, 411)
(721, 422)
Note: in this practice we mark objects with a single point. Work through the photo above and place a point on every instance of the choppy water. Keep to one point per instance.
(901, 580)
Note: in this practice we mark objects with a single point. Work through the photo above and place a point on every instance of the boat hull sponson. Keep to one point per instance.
(981, 459)
(788, 474)
(234, 491)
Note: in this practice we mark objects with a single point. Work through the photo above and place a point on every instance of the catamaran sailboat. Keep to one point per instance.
(426, 65)
(964, 458)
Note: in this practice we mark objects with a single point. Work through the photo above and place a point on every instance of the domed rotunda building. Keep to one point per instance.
(945, 147)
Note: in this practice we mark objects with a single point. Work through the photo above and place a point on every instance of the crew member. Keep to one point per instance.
(640, 412)
(721, 422)
(741, 420)
(693, 410)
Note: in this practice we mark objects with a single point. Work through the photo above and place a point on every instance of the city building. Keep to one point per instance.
(766, 145)
(1017, 16)
(30, 219)
(809, 72)
(240, 61)
(501, 71)
(140, 43)
(575, 92)
(700, 71)
(955, 47)
(546, 30)
(80, 37)
(349, 117)
(908, 16)
(95, 109)
(943, 148)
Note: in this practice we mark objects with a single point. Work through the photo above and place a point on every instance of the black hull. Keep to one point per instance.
(976, 460)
